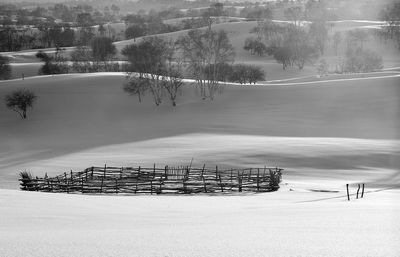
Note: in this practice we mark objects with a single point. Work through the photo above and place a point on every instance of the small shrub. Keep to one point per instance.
(26, 181)
(362, 60)
(274, 180)
(20, 100)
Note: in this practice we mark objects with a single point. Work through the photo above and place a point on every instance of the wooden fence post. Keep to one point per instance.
(205, 186)
(362, 192)
(82, 185)
(160, 189)
(101, 187)
(258, 179)
(166, 172)
(67, 186)
(249, 177)
(220, 183)
(348, 196)
(184, 186)
(358, 190)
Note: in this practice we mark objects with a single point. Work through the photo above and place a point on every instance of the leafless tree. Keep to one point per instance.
(20, 100)
(207, 48)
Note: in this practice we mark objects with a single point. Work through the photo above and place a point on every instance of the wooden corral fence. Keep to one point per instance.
(178, 180)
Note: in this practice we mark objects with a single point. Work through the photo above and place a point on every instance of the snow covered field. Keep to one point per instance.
(282, 224)
(325, 134)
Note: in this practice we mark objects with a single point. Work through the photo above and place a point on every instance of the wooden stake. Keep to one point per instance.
(358, 190)
(362, 192)
(348, 195)
(67, 186)
(160, 190)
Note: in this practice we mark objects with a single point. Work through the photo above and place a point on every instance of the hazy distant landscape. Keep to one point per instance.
(308, 86)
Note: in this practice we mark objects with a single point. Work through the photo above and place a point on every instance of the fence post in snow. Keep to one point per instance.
(348, 196)
(362, 192)
(358, 190)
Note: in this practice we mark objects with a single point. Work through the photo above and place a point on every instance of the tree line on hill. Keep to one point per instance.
(158, 66)
(155, 65)
(297, 43)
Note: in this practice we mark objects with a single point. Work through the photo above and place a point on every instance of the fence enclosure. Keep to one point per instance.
(175, 180)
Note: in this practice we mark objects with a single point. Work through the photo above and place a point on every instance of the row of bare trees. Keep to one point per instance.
(158, 65)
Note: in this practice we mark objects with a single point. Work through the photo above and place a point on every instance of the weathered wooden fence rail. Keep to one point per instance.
(178, 180)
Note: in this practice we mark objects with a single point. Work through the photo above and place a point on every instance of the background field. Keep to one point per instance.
(78, 112)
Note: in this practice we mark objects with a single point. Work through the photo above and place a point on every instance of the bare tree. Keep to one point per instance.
(337, 38)
(20, 100)
(243, 73)
(207, 48)
(136, 86)
(362, 60)
(294, 14)
(172, 80)
(173, 84)
(322, 68)
(148, 60)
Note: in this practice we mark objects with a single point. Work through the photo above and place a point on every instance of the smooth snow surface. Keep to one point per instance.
(282, 224)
